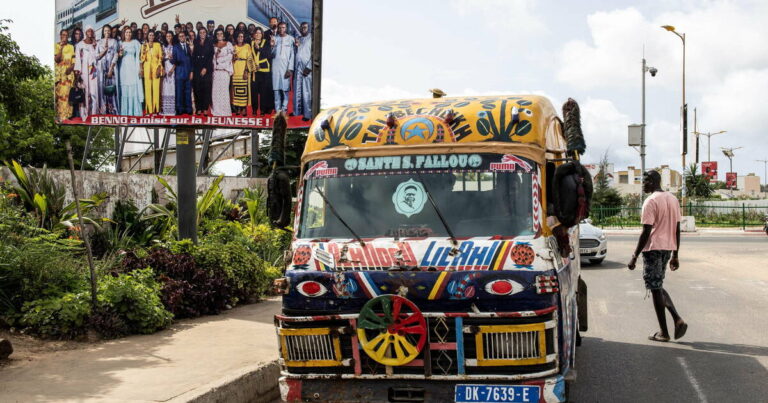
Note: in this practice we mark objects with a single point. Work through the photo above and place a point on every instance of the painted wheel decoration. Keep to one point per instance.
(391, 330)
(522, 254)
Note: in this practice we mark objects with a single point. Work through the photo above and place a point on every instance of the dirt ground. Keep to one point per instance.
(28, 348)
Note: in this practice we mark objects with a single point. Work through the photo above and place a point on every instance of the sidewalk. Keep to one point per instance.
(699, 231)
(183, 362)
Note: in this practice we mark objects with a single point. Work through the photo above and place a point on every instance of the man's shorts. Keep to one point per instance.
(654, 265)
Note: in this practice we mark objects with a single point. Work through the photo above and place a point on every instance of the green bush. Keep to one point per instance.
(37, 268)
(246, 254)
(63, 316)
(135, 297)
(243, 270)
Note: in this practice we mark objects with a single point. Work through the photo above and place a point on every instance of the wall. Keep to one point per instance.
(137, 187)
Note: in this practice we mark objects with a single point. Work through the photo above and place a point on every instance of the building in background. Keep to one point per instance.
(594, 169)
(630, 181)
(749, 184)
(84, 13)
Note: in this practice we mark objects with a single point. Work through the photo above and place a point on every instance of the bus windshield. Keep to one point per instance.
(479, 195)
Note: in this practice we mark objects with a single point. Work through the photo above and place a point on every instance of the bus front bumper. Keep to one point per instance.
(294, 389)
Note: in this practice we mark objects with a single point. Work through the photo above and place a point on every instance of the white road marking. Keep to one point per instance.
(692, 380)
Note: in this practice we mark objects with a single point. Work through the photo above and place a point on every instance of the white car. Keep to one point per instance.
(593, 245)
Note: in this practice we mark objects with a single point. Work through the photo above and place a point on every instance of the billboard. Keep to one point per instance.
(730, 180)
(183, 62)
(709, 169)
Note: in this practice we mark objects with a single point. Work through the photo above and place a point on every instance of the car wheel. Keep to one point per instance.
(596, 261)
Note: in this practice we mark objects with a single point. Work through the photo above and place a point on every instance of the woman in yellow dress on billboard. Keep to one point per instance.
(244, 65)
(152, 71)
(64, 57)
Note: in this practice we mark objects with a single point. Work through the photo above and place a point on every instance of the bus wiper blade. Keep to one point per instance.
(455, 249)
(338, 217)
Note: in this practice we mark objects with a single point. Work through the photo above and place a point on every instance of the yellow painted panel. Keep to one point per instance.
(510, 118)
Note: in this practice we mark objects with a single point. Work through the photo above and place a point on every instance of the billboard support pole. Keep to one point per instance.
(156, 151)
(186, 183)
(317, 54)
(118, 150)
(254, 153)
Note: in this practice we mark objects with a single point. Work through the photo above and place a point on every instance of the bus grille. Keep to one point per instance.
(310, 347)
(511, 345)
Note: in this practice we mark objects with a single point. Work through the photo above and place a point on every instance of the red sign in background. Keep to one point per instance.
(257, 122)
(709, 169)
(730, 180)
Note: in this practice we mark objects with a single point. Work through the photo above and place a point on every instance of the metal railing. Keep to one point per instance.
(742, 216)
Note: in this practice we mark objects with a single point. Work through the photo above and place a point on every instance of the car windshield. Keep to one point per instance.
(479, 195)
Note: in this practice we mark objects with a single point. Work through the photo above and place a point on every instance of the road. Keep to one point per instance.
(721, 290)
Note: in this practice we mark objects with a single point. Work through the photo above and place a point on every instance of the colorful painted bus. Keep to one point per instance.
(423, 266)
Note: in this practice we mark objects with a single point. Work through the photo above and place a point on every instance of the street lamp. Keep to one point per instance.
(729, 153)
(765, 174)
(709, 140)
(670, 28)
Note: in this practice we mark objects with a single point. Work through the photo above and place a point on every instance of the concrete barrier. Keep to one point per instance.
(257, 384)
(688, 223)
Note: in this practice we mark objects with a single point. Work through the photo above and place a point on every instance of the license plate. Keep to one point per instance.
(496, 393)
(586, 250)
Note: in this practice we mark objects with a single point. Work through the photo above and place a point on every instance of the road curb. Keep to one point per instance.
(257, 383)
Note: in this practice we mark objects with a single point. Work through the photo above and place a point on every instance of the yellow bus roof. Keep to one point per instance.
(508, 119)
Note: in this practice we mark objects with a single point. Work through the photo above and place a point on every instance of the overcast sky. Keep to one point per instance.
(588, 50)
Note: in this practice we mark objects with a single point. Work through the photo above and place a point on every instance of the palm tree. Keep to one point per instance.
(696, 184)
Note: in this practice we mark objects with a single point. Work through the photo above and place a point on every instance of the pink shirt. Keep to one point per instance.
(662, 210)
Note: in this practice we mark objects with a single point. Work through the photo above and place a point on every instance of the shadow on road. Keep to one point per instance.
(611, 371)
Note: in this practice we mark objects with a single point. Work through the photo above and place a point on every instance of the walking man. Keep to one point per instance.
(659, 243)
(282, 66)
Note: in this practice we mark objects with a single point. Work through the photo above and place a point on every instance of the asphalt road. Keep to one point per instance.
(721, 290)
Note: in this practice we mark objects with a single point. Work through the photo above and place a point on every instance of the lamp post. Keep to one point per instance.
(670, 28)
(729, 153)
(709, 140)
(765, 175)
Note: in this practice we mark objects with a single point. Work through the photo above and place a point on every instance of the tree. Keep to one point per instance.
(696, 184)
(604, 196)
(28, 132)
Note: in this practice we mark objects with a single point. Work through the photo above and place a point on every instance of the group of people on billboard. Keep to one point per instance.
(203, 70)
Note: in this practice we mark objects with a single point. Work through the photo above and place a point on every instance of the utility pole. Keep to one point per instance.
(696, 133)
(633, 128)
(653, 71)
(186, 183)
(317, 54)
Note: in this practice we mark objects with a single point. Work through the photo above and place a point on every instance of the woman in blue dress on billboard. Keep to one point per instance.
(131, 91)
(107, 49)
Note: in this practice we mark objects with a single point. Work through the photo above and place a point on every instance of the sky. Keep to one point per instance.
(588, 50)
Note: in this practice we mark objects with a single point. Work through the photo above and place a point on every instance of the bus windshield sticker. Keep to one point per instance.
(409, 198)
